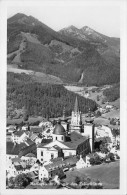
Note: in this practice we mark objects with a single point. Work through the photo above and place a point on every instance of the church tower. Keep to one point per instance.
(76, 118)
(89, 130)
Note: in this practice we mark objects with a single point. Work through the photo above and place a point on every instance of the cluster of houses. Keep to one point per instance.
(45, 151)
(106, 108)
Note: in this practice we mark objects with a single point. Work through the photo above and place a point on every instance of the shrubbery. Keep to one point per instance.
(86, 183)
(20, 181)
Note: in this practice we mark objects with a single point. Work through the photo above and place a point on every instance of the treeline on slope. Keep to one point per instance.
(43, 100)
(96, 70)
(112, 93)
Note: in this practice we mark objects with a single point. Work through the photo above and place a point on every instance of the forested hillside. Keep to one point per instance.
(89, 58)
(43, 100)
(112, 93)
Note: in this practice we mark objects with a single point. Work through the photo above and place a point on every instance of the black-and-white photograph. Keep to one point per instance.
(63, 85)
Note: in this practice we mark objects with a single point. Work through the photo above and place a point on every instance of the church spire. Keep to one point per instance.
(76, 108)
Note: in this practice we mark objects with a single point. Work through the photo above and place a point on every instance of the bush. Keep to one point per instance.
(22, 180)
(92, 161)
(11, 182)
(112, 93)
(103, 146)
(111, 156)
(97, 160)
(98, 113)
(77, 180)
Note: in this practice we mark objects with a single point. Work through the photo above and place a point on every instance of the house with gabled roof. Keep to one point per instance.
(28, 149)
(13, 149)
(83, 162)
(48, 172)
(19, 136)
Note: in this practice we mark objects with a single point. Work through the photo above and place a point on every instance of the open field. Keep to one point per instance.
(112, 114)
(116, 103)
(108, 174)
(93, 92)
(37, 76)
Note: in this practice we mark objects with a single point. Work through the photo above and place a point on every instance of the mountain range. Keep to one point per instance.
(74, 55)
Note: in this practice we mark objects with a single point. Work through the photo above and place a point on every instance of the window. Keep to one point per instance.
(52, 156)
(41, 153)
(62, 138)
(56, 138)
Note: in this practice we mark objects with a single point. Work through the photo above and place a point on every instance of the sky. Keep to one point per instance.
(104, 19)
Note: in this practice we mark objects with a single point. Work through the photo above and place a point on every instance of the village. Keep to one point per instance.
(43, 156)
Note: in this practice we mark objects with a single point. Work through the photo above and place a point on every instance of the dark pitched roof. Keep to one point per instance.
(18, 133)
(29, 141)
(33, 174)
(33, 136)
(72, 142)
(44, 142)
(19, 167)
(108, 139)
(35, 129)
(14, 149)
(57, 147)
(30, 155)
(29, 149)
(75, 140)
(16, 160)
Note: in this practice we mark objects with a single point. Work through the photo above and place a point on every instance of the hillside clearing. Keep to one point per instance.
(37, 76)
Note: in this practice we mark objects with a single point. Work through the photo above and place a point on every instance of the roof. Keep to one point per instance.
(108, 139)
(33, 136)
(29, 141)
(59, 130)
(18, 133)
(75, 140)
(35, 129)
(14, 149)
(33, 174)
(72, 142)
(30, 155)
(57, 147)
(19, 167)
(44, 142)
(29, 149)
(11, 127)
(16, 160)
(89, 120)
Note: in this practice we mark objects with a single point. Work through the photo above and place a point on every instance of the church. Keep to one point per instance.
(78, 140)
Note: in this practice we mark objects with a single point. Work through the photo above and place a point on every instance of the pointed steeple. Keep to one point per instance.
(76, 108)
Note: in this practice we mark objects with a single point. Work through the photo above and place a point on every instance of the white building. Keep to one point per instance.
(63, 145)
(43, 173)
(83, 162)
(19, 137)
